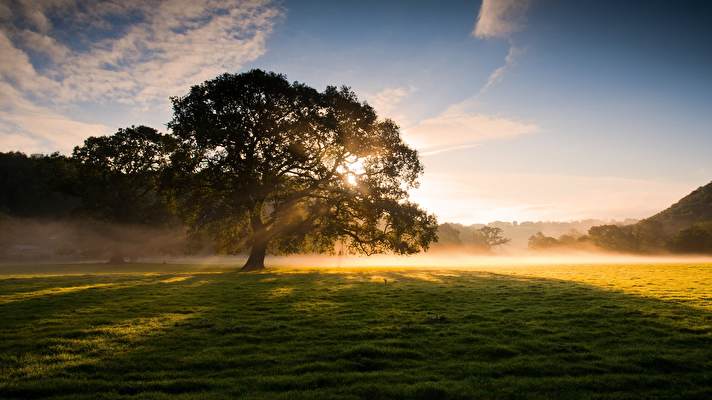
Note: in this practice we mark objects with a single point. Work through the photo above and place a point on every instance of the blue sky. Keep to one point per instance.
(522, 109)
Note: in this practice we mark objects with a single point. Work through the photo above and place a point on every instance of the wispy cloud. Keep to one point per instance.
(459, 127)
(25, 126)
(386, 101)
(462, 126)
(498, 74)
(138, 53)
(389, 102)
(500, 18)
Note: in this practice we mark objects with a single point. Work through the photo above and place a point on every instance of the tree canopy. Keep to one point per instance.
(38, 186)
(487, 237)
(263, 163)
(120, 175)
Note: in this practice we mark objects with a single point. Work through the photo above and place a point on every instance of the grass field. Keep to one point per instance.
(162, 331)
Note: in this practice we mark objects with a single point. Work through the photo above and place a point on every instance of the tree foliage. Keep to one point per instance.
(38, 186)
(695, 239)
(449, 235)
(120, 175)
(488, 237)
(614, 237)
(568, 241)
(539, 241)
(263, 162)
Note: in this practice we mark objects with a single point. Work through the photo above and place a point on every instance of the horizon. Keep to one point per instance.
(520, 109)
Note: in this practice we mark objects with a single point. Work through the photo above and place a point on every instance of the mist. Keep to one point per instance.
(91, 241)
(85, 240)
(450, 260)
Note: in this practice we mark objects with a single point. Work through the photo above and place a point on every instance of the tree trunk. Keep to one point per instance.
(256, 261)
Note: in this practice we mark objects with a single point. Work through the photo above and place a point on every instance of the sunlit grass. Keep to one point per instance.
(176, 279)
(49, 292)
(87, 347)
(596, 331)
(281, 291)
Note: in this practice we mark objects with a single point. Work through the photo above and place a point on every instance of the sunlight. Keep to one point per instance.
(177, 279)
(281, 292)
(352, 170)
(4, 299)
(98, 344)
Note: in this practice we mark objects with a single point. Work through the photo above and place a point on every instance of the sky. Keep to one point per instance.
(521, 109)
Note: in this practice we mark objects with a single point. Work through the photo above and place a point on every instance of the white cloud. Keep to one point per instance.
(25, 126)
(17, 70)
(34, 13)
(459, 127)
(20, 142)
(44, 44)
(388, 103)
(498, 74)
(177, 43)
(5, 12)
(148, 52)
(500, 18)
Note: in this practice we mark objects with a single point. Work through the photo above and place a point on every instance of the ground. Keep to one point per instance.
(167, 331)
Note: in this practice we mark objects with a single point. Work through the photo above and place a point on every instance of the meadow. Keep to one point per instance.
(202, 332)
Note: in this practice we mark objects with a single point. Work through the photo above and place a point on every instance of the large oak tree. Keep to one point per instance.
(265, 164)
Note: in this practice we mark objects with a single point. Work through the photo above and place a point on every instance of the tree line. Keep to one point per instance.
(639, 238)
(644, 237)
(252, 162)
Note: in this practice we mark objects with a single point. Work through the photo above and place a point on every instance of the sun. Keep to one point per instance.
(352, 170)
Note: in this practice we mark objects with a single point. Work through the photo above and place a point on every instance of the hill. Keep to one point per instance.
(692, 209)
(684, 227)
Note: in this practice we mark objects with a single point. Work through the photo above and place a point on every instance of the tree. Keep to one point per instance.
(695, 239)
(267, 165)
(449, 235)
(121, 174)
(487, 237)
(38, 186)
(614, 237)
(121, 180)
(539, 241)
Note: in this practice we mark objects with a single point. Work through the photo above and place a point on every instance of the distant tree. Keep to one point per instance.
(539, 241)
(121, 180)
(487, 237)
(567, 241)
(571, 238)
(614, 237)
(650, 235)
(120, 175)
(38, 186)
(449, 235)
(264, 164)
(695, 239)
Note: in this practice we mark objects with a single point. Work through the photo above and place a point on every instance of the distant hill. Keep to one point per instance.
(692, 209)
(684, 227)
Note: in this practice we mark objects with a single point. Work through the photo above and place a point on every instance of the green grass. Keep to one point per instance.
(574, 332)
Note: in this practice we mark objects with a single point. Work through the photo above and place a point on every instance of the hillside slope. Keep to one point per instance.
(694, 208)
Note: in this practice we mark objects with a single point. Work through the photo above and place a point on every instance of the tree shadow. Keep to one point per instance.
(370, 335)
